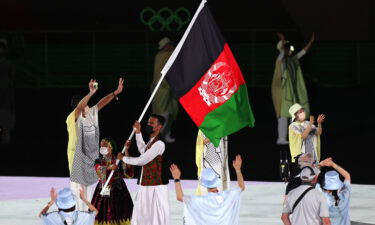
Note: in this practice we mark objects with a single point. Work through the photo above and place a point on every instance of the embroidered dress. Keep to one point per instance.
(298, 145)
(117, 208)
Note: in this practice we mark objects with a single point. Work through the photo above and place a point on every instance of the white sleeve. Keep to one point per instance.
(301, 53)
(140, 143)
(93, 111)
(156, 149)
(296, 129)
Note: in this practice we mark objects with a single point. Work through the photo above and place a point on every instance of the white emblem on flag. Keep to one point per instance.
(218, 84)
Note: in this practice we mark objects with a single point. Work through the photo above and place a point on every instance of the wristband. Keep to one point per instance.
(176, 180)
(114, 95)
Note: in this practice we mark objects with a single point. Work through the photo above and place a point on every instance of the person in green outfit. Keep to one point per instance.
(288, 85)
(164, 103)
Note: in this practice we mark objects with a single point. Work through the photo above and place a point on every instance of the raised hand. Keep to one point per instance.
(327, 162)
(53, 199)
(175, 171)
(206, 141)
(53, 194)
(312, 120)
(237, 162)
(112, 167)
(127, 144)
(120, 86)
(321, 118)
(137, 126)
(91, 86)
(120, 156)
(312, 37)
(281, 36)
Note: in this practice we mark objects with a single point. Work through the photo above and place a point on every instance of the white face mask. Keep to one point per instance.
(301, 116)
(103, 150)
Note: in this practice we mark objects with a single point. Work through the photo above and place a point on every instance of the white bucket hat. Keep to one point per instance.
(209, 178)
(163, 42)
(65, 199)
(293, 109)
(308, 173)
(332, 181)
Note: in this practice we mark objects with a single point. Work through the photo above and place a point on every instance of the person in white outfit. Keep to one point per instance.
(151, 205)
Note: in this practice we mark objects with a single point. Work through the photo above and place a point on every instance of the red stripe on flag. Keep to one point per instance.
(214, 88)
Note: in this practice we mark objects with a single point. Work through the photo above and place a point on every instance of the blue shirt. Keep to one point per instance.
(79, 218)
(339, 214)
(214, 208)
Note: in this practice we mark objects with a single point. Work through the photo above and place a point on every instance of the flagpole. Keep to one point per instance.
(174, 55)
(163, 73)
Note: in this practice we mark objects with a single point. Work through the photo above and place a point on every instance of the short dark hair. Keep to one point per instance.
(161, 119)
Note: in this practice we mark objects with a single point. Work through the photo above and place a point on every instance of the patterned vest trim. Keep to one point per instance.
(152, 171)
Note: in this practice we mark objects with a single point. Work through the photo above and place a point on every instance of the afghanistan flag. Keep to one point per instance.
(206, 79)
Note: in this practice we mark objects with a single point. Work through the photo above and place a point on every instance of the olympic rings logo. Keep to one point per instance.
(165, 19)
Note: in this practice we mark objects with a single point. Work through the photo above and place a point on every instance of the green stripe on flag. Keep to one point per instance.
(228, 118)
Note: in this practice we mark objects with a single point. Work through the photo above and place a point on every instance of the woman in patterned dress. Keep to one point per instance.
(115, 205)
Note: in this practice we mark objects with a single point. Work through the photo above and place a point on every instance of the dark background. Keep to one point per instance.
(57, 46)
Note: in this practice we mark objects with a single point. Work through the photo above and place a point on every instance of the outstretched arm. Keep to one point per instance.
(330, 163)
(83, 103)
(281, 37)
(237, 163)
(91, 206)
(320, 120)
(308, 45)
(107, 99)
(306, 132)
(176, 174)
(50, 203)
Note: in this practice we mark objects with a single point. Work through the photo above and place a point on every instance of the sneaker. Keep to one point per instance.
(282, 142)
(169, 139)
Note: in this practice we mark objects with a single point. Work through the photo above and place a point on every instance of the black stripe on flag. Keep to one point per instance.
(201, 48)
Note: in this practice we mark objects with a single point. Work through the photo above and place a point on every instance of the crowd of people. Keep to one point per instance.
(314, 194)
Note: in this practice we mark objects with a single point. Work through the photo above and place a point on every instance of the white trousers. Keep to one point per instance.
(89, 192)
(151, 206)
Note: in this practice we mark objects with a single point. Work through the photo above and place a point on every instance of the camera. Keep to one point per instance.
(284, 167)
(288, 169)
